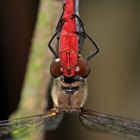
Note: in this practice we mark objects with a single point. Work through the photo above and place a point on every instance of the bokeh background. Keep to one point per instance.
(114, 82)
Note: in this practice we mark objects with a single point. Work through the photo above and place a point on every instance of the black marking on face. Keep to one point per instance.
(70, 89)
(72, 79)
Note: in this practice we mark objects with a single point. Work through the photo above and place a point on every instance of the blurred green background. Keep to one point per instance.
(114, 82)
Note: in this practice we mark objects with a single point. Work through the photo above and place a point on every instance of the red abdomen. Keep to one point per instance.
(68, 45)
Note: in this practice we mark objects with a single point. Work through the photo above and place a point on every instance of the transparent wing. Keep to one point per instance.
(110, 124)
(51, 119)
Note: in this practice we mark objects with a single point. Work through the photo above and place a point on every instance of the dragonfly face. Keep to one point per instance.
(69, 96)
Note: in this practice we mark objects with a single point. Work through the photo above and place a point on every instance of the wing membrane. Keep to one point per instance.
(51, 119)
(110, 124)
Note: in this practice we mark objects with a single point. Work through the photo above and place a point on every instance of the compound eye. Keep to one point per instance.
(55, 68)
(82, 68)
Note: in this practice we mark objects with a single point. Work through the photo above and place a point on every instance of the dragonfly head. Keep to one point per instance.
(82, 69)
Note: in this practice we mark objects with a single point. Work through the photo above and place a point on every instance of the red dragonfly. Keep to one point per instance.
(69, 92)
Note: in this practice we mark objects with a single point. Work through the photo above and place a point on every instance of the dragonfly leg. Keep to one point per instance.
(55, 35)
(95, 45)
(86, 35)
(50, 46)
(58, 29)
(81, 40)
(60, 22)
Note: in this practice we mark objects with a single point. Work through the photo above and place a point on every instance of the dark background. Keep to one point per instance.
(17, 21)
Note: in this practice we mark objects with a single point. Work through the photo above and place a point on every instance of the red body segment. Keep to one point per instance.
(68, 45)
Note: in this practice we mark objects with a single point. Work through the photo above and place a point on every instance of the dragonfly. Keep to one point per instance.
(69, 89)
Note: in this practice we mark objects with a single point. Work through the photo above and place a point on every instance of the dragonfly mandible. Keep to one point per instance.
(69, 91)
